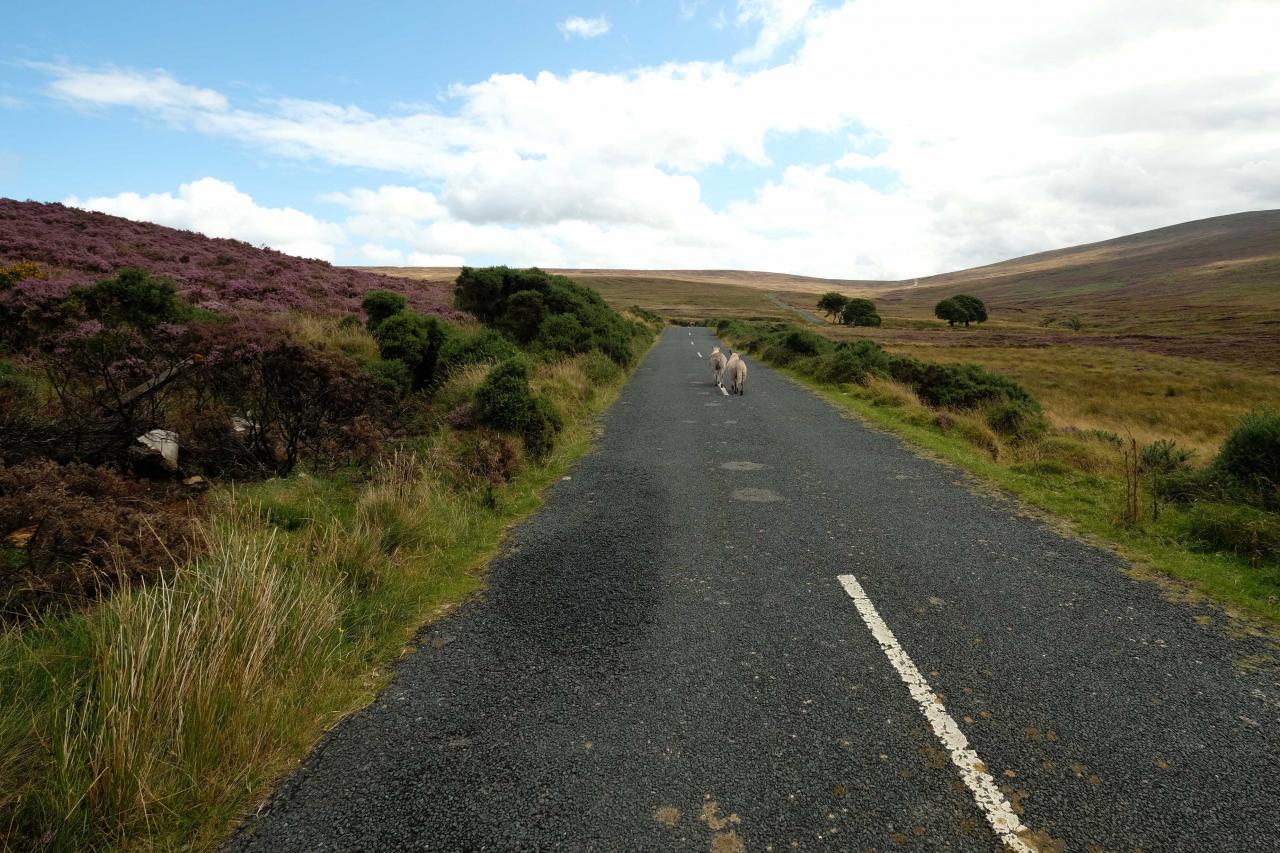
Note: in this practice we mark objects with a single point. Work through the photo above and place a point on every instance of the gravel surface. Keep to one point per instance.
(665, 660)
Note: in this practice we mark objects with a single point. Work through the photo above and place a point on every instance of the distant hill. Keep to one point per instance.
(78, 246)
(1222, 264)
(769, 281)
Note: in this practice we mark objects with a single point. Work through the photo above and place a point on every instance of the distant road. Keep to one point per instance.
(748, 623)
(812, 318)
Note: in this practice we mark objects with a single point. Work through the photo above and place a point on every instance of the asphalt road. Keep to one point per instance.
(666, 659)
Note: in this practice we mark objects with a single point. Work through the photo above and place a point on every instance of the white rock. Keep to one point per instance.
(166, 442)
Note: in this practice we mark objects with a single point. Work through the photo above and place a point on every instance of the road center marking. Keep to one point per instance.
(699, 355)
(724, 392)
(985, 792)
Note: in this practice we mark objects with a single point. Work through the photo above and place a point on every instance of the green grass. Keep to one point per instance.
(157, 718)
(1091, 502)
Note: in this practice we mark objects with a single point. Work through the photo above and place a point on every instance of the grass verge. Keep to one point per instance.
(155, 719)
(1051, 479)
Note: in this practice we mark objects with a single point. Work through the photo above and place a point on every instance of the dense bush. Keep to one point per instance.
(959, 386)
(482, 345)
(859, 312)
(1018, 419)
(505, 402)
(525, 303)
(294, 400)
(853, 362)
(1250, 456)
(134, 297)
(414, 339)
(378, 305)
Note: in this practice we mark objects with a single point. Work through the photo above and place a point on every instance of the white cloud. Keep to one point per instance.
(147, 91)
(217, 209)
(586, 28)
(1007, 127)
(779, 22)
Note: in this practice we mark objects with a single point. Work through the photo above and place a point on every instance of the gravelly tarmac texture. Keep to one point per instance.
(666, 661)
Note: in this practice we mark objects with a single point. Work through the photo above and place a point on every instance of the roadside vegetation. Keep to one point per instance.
(1212, 517)
(174, 637)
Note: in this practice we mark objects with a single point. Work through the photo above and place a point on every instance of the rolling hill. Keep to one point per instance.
(77, 246)
(1224, 269)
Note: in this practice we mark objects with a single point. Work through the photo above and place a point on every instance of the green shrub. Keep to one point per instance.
(859, 312)
(1017, 419)
(380, 305)
(523, 315)
(393, 375)
(414, 339)
(476, 348)
(520, 302)
(600, 369)
(957, 386)
(505, 402)
(133, 297)
(564, 333)
(1241, 530)
(1250, 456)
(852, 362)
(1187, 485)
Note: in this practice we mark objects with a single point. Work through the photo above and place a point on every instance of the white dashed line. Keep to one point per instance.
(985, 792)
(699, 355)
(724, 392)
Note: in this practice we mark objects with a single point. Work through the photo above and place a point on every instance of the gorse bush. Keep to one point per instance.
(482, 345)
(959, 386)
(415, 340)
(853, 362)
(378, 305)
(505, 402)
(1250, 456)
(525, 304)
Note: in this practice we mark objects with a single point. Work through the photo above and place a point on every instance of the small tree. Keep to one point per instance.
(380, 305)
(860, 312)
(1158, 460)
(832, 304)
(974, 308)
(951, 311)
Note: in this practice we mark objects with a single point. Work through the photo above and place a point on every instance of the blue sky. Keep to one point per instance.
(860, 139)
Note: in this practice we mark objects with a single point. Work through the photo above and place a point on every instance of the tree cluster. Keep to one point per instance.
(961, 309)
(848, 311)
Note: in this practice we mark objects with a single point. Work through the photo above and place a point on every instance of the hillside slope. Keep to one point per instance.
(78, 246)
(1224, 271)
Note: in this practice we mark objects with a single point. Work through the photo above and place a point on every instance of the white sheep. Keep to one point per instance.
(737, 371)
(717, 365)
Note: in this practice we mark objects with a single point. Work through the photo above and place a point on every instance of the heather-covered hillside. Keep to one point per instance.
(80, 247)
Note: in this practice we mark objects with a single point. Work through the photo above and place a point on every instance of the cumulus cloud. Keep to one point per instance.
(1007, 127)
(217, 209)
(586, 28)
(778, 20)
